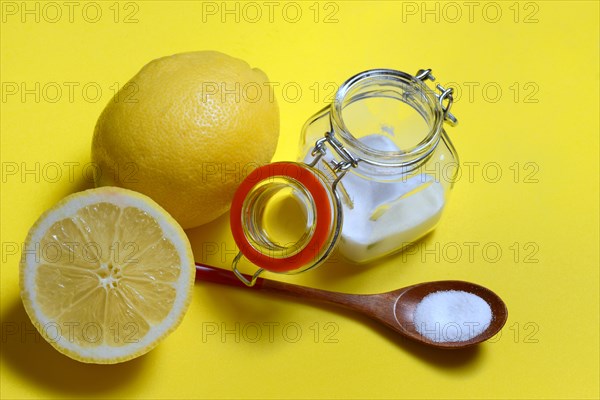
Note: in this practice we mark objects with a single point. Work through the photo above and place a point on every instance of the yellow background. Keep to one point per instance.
(543, 139)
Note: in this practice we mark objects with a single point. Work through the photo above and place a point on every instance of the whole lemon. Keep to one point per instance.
(185, 131)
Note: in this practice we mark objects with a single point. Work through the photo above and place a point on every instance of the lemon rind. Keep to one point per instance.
(104, 354)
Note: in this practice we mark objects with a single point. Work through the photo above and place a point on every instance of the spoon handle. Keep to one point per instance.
(222, 276)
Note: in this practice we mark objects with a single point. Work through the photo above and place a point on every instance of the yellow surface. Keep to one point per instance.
(541, 134)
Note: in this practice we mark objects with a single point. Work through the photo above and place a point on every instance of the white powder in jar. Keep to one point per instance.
(452, 316)
(383, 217)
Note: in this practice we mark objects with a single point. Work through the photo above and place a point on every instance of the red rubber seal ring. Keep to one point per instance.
(324, 216)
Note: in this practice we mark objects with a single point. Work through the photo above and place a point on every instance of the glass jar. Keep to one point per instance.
(374, 174)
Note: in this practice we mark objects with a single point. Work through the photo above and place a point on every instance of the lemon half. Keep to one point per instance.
(106, 274)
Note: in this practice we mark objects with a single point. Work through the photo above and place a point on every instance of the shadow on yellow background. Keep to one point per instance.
(26, 353)
(233, 305)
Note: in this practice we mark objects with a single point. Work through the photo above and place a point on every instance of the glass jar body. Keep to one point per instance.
(406, 166)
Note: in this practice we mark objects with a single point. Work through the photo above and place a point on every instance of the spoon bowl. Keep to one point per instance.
(409, 297)
(395, 309)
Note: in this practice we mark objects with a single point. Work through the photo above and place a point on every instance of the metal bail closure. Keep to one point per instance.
(444, 97)
(284, 218)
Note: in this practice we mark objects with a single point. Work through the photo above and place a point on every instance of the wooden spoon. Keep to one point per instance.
(395, 309)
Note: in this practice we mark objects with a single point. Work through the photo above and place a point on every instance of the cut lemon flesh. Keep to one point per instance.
(106, 274)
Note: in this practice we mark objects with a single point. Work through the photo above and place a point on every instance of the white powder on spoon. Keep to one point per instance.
(452, 316)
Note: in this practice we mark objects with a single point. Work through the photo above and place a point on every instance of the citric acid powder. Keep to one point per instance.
(452, 316)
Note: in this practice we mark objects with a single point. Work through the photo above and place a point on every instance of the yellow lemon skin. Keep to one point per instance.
(185, 131)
